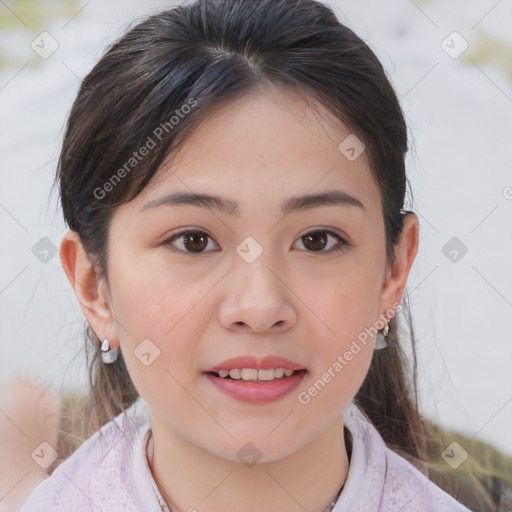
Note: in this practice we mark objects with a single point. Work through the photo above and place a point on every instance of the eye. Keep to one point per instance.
(195, 241)
(317, 240)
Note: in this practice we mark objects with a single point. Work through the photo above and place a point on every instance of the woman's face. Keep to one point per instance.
(250, 281)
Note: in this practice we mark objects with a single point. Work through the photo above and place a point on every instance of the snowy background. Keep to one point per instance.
(459, 112)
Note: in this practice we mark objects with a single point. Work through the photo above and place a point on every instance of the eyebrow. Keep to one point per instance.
(231, 207)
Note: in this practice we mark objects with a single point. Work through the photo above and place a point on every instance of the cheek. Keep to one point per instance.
(341, 356)
(158, 346)
(345, 310)
(158, 319)
(155, 301)
(347, 304)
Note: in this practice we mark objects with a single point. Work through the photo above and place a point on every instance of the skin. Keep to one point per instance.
(294, 301)
(30, 415)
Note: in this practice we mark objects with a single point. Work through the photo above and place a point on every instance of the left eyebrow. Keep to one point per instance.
(231, 207)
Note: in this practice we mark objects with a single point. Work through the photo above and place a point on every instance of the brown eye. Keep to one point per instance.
(196, 242)
(192, 241)
(316, 241)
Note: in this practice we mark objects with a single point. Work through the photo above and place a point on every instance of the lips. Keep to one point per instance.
(250, 381)
(257, 391)
(265, 363)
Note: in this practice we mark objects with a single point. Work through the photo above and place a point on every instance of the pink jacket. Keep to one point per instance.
(109, 473)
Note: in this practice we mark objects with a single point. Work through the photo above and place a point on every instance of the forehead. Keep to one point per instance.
(263, 146)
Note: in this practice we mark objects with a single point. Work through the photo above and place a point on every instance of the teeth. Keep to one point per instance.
(265, 374)
(254, 375)
(235, 374)
(249, 374)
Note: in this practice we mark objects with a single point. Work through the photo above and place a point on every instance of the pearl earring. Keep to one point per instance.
(380, 341)
(108, 355)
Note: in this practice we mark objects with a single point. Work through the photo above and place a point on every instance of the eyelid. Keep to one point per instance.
(342, 244)
(341, 238)
(326, 229)
(168, 241)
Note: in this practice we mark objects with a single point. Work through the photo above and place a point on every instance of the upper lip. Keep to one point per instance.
(265, 363)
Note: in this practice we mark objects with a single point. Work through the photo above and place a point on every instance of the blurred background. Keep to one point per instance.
(451, 65)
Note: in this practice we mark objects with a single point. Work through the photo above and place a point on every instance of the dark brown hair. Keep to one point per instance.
(162, 78)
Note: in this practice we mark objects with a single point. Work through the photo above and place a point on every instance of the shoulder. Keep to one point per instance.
(380, 479)
(102, 474)
(410, 490)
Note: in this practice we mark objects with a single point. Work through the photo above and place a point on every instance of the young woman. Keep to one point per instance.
(233, 178)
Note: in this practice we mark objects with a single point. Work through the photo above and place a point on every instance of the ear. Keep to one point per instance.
(397, 273)
(90, 290)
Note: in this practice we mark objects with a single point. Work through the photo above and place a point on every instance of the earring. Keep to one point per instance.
(108, 355)
(380, 341)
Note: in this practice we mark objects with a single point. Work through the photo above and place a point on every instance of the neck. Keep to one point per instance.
(191, 478)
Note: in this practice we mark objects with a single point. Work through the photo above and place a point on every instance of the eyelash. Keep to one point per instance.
(342, 243)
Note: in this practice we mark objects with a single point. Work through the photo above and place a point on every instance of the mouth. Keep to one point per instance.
(255, 375)
(256, 386)
(253, 379)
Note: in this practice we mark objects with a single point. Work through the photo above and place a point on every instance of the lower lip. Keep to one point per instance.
(257, 392)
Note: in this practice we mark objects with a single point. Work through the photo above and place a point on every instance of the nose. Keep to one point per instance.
(257, 299)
